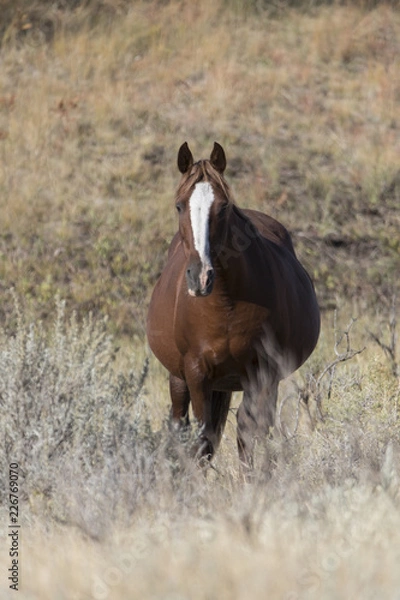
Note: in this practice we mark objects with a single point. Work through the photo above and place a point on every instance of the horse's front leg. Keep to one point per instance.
(201, 398)
(198, 391)
(180, 399)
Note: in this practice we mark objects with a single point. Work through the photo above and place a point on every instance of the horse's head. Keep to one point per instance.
(202, 202)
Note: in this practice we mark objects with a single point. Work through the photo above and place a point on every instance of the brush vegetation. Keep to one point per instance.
(96, 98)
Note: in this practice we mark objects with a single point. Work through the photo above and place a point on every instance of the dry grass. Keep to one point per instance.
(94, 102)
(306, 105)
(330, 552)
(101, 480)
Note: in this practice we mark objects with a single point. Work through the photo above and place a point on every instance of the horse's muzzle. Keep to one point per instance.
(199, 279)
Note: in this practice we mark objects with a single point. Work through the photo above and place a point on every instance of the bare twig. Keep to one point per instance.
(282, 427)
(390, 349)
(313, 386)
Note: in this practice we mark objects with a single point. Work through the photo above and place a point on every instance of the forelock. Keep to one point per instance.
(202, 171)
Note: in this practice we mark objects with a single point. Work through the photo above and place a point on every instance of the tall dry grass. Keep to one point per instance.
(305, 103)
(343, 544)
(111, 507)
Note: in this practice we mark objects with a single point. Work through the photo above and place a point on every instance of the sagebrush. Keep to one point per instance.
(79, 427)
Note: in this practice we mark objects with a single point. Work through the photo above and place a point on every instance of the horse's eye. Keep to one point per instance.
(179, 207)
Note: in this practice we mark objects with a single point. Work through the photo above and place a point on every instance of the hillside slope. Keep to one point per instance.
(306, 104)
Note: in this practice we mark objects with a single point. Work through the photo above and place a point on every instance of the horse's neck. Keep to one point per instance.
(240, 246)
(245, 271)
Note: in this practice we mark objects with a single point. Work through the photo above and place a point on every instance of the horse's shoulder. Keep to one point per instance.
(270, 228)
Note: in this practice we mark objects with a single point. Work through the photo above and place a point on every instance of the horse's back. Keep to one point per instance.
(270, 229)
(296, 308)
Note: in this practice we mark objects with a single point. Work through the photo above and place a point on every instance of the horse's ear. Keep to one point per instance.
(185, 158)
(218, 158)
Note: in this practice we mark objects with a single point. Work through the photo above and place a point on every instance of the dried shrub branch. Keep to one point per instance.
(315, 388)
(390, 349)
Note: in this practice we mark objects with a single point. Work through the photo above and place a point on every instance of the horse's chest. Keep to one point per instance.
(225, 336)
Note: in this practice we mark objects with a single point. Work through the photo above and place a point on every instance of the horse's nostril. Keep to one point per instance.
(210, 276)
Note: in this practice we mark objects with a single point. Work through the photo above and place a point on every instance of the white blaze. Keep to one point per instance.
(200, 204)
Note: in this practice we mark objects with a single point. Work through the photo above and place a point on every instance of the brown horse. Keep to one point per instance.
(233, 309)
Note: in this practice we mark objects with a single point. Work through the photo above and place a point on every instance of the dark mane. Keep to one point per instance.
(202, 171)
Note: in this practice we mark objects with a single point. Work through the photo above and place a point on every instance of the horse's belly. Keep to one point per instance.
(160, 331)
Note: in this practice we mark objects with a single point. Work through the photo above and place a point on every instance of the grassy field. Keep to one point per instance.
(306, 106)
(95, 99)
